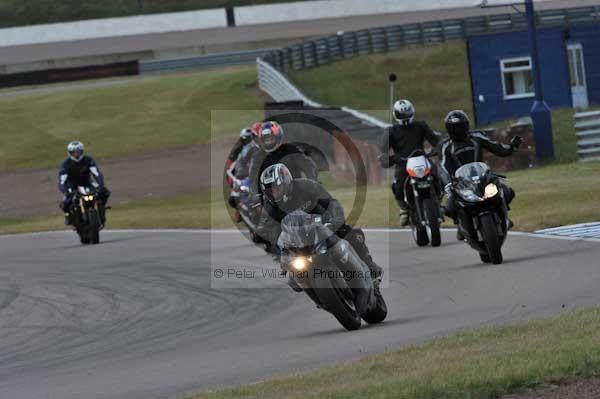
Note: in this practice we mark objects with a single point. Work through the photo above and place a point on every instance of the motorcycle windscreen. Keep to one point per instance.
(473, 172)
(298, 230)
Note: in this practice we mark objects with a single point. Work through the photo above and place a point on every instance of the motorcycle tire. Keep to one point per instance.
(491, 239)
(420, 236)
(93, 226)
(485, 258)
(333, 301)
(379, 313)
(432, 212)
(83, 236)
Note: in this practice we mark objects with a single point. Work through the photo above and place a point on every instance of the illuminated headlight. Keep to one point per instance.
(491, 190)
(300, 263)
(88, 197)
(469, 195)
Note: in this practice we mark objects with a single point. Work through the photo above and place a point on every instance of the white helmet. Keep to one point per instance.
(75, 150)
(404, 112)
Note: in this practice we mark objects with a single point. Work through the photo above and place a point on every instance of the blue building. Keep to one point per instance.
(501, 79)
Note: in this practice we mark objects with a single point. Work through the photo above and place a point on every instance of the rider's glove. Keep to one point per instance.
(516, 142)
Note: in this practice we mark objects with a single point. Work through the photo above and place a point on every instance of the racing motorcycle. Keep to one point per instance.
(249, 208)
(481, 210)
(85, 214)
(422, 194)
(328, 270)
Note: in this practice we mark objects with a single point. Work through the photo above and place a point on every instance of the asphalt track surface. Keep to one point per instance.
(223, 39)
(136, 317)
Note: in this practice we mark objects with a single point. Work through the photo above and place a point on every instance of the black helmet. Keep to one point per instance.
(457, 125)
(276, 182)
(246, 136)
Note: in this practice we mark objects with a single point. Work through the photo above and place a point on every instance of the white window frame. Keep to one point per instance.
(504, 70)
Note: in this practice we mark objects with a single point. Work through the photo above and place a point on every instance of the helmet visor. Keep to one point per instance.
(275, 192)
(76, 155)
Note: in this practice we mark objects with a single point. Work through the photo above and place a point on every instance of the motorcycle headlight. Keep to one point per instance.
(469, 195)
(300, 263)
(419, 172)
(491, 190)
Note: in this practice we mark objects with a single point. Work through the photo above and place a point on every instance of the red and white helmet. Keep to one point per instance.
(270, 136)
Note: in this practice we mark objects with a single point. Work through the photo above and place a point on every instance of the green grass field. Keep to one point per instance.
(141, 115)
(435, 78)
(29, 12)
(482, 364)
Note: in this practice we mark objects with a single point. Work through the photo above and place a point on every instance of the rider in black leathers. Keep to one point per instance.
(403, 139)
(273, 151)
(284, 194)
(80, 170)
(464, 147)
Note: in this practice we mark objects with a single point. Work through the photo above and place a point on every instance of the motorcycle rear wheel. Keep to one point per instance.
(379, 313)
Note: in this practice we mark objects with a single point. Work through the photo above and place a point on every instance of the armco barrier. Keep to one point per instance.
(201, 62)
(587, 126)
(314, 53)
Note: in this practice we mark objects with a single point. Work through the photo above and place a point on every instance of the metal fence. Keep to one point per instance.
(279, 87)
(322, 51)
(587, 126)
(201, 62)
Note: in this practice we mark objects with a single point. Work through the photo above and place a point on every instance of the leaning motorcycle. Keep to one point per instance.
(248, 207)
(422, 195)
(328, 270)
(481, 210)
(85, 215)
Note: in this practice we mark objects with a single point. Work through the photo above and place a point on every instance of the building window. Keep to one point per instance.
(517, 79)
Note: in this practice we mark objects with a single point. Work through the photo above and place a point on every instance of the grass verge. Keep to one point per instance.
(486, 363)
(540, 203)
(439, 72)
(118, 120)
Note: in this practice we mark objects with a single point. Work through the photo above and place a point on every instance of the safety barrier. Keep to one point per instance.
(314, 53)
(587, 126)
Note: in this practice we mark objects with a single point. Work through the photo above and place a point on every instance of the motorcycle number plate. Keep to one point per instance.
(423, 184)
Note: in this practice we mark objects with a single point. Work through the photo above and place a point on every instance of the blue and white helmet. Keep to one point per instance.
(404, 112)
(75, 149)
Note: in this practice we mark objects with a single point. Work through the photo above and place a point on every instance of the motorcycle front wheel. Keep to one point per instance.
(335, 296)
(489, 231)
(93, 226)
(432, 212)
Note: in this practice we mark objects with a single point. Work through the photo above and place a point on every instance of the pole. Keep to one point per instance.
(392, 79)
(540, 112)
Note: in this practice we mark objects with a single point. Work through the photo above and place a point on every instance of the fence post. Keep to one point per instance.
(313, 45)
